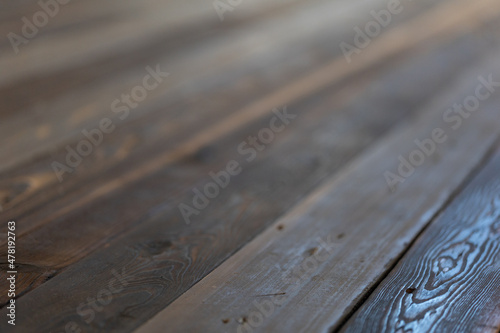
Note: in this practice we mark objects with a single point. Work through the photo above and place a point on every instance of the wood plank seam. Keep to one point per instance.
(456, 252)
(467, 181)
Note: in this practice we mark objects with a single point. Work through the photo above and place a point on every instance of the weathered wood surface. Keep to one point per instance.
(449, 280)
(366, 226)
(44, 263)
(118, 211)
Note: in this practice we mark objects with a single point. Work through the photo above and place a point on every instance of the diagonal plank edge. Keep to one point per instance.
(448, 280)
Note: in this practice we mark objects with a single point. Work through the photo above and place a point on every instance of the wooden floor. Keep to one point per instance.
(252, 166)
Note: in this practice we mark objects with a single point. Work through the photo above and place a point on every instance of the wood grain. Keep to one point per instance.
(449, 279)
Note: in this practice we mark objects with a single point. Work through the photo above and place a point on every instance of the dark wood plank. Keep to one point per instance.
(449, 280)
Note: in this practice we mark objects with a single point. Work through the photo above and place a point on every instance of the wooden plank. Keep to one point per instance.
(366, 226)
(449, 279)
(251, 210)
